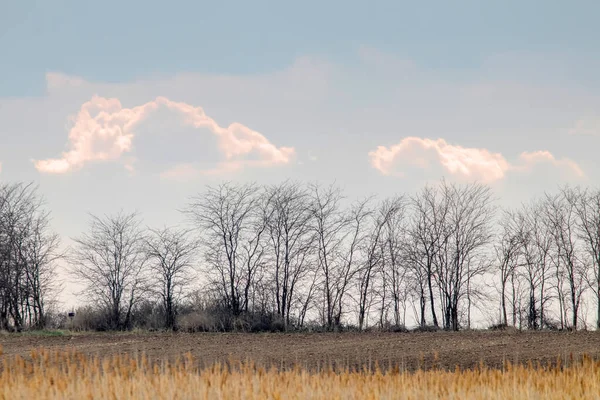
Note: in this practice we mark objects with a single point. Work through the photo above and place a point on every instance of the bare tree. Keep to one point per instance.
(290, 240)
(396, 272)
(110, 261)
(427, 234)
(562, 217)
(531, 272)
(171, 254)
(373, 256)
(507, 252)
(419, 277)
(42, 255)
(542, 238)
(587, 206)
(231, 227)
(330, 226)
(328, 223)
(28, 254)
(467, 233)
(530, 229)
(17, 205)
(255, 249)
(350, 261)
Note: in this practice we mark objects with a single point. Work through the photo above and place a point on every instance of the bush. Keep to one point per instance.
(551, 324)
(390, 327)
(398, 328)
(426, 328)
(498, 327)
(148, 315)
(87, 318)
(56, 320)
(220, 320)
(198, 321)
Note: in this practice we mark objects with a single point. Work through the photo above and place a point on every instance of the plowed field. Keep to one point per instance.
(314, 350)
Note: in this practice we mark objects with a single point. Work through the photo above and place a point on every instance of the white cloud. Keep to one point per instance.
(103, 130)
(471, 163)
(531, 159)
(474, 163)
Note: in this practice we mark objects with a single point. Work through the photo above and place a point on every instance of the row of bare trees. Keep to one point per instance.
(293, 250)
(548, 257)
(296, 250)
(28, 255)
(305, 254)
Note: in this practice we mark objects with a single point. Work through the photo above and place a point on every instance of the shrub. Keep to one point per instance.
(426, 328)
(498, 327)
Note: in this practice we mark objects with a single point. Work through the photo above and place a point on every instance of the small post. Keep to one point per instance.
(71, 316)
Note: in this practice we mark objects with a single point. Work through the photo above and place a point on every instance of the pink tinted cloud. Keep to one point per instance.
(530, 159)
(103, 130)
(471, 163)
(474, 163)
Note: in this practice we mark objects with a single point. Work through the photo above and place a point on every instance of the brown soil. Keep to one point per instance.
(405, 350)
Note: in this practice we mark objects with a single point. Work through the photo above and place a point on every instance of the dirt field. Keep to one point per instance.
(405, 350)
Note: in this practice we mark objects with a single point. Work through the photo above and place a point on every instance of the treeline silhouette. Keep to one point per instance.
(302, 256)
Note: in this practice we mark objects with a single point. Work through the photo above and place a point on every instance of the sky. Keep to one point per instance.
(138, 105)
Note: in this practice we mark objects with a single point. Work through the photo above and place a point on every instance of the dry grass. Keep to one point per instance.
(71, 375)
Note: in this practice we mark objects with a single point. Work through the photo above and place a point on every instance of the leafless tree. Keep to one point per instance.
(306, 298)
(16, 208)
(171, 254)
(350, 259)
(467, 233)
(328, 223)
(28, 254)
(507, 254)
(427, 234)
(373, 255)
(110, 261)
(290, 240)
(338, 234)
(530, 228)
(562, 217)
(587, 206)
(231, 225)
(542, 238)
(396, 271)
(417, 275)
(42, 254)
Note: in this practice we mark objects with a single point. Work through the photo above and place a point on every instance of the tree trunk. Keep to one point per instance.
(504, 314)
(598, 307)
(431, 299)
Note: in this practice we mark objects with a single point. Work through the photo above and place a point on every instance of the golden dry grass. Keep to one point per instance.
(71, 375)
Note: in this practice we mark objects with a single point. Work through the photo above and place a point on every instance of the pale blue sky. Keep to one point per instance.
(379, 96)
(116, 40)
